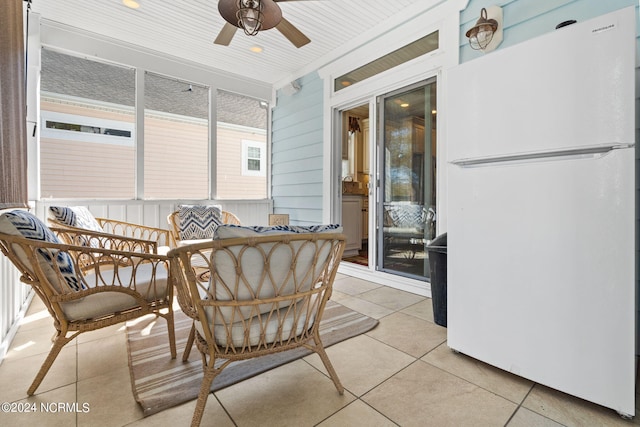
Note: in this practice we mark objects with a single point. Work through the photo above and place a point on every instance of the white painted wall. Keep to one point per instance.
(154, 212)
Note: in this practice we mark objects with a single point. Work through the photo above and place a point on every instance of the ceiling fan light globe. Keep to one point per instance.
(250, 16)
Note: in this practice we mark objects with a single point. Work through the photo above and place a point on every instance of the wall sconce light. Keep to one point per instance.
(486, 35)
(291, 88)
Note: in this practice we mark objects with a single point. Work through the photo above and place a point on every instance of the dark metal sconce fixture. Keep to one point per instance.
(486, 35)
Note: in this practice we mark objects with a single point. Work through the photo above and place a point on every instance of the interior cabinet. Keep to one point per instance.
(352, 224)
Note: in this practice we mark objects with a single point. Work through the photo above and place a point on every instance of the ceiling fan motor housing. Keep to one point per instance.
(254, 16)
(271, 12)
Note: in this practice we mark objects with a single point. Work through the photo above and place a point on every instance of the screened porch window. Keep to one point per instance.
(81, 101)
(90, 146)
(242, 146)
(176, 139)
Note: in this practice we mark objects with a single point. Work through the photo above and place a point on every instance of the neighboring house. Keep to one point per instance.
(82, 143)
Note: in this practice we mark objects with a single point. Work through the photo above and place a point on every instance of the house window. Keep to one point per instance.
(241, 167)
(72, 127)
(87, 138)
(253, 158)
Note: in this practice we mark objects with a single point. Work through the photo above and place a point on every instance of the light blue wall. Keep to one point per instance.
(524, 19)
(296, 154)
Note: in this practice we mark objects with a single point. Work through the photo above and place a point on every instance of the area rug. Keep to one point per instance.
(158, 382)
(361, 260)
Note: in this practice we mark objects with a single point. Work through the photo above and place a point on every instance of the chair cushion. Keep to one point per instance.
(256, 283)
(198, 221)
(104, 303)
(75, 216)
(25, 224)
(192, 242)
(235, 335)
(163, 250)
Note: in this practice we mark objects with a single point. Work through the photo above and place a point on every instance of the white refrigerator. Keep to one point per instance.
(541, 185)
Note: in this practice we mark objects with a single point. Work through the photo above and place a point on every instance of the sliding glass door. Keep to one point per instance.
(407, 192)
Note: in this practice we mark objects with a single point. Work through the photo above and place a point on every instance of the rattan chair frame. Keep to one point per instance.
(304, 302)
(89, 263)
(174, 223)
(161, 236)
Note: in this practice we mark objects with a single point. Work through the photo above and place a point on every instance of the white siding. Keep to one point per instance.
(154, 212)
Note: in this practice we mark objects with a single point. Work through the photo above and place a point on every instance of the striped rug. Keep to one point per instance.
(158, 382)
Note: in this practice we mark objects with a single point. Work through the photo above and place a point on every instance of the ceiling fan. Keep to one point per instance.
(254, 16)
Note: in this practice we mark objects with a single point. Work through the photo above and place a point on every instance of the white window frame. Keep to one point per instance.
(246, 144)
(70, 135)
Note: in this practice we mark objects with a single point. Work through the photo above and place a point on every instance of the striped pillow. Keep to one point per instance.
(75, 216)
(25, 224)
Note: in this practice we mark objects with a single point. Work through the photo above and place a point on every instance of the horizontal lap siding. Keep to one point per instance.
(98, 113)
(297, 153)
(231, 183)
(176, 156)
(86, 169)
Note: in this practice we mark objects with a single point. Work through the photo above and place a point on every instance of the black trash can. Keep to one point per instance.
(437, 250)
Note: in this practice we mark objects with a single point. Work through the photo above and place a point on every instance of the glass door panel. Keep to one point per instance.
(355, 183)
(406, 206)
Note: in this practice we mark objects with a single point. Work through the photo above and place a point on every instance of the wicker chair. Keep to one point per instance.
(79, 218)
(86, 287)
(261, 295)
(174, 223)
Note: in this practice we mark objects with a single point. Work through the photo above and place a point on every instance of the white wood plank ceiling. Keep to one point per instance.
(186, 29)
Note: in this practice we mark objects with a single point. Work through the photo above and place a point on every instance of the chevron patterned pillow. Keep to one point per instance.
(25, 224)
(405, 215)
(198, 221)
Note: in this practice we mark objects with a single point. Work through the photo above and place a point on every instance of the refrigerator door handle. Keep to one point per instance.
(590, 152)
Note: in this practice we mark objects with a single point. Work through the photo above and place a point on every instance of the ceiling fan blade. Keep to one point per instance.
(225, 35)
(294, 35)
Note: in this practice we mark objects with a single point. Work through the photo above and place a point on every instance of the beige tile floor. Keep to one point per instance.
(399, 374)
